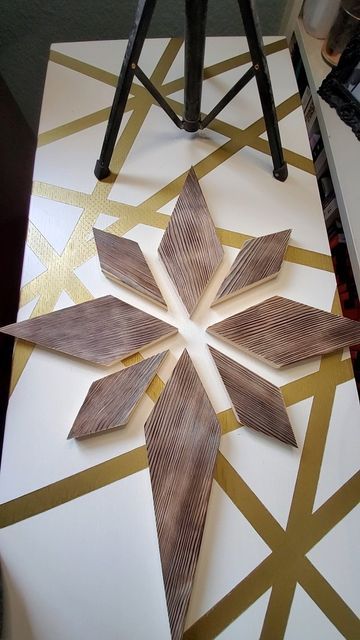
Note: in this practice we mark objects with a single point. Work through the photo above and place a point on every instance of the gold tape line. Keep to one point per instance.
(292, 158)
(68, 129)
(276, 616)
(336, 507)
(222, 67)
(76, 252)
(329, 601)
(75, 486)
(290, 546)
(84, 68)
(306, 387)
(247, 502)
(304, 257)
(79, 484)
(314, 445)
(111, 79)
(284, 562)
(234, 603)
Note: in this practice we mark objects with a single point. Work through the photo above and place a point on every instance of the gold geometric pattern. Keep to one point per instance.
(287, 563)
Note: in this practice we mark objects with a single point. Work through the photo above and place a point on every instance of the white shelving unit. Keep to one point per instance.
(341, 146)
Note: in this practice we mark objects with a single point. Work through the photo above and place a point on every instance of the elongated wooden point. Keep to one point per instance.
(190, 249)
(103, 331)
(182, 438)
(111, 400)
(123, 261)
(259, 260)
(282, 332)
(256, 402)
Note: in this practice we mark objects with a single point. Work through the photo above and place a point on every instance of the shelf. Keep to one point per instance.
(341, 146)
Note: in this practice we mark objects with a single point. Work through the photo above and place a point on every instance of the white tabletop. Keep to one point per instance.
(80, 555)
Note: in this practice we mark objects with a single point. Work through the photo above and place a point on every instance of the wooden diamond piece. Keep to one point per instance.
(103, 331)
(190, 248)
(182, 438)
(123, 261)
(256, 402)
(259, 260)
(281, 332)
(110, 401)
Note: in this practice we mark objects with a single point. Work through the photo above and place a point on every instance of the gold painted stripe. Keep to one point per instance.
(234, 603)
(243, 58)
(76, 252)
(294, 392)
(331, 604)
(21, 354)
(278, 609)
(292, 158)
(60, 194)
(224, 65)
(314, 445)
(83, 67)
(228, 421)
(238, 139)
(334, 509)
(309, 258)
(75, 126)
(73, 487)
(247, 502)
(307, 386)
(304, 257)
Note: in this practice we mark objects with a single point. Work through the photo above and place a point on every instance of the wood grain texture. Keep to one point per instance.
(258, 260)
(190, 249)
(282, 332)
(256, 402)
(102, 331)
(182, 438)
(111, 400)
(123, 261)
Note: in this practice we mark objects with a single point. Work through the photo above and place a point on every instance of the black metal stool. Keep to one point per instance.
(196, 11)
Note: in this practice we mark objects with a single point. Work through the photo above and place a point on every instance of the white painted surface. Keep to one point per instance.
(248, 451)
(88, 569)
(336, 557)
(306, 620)
(103, 546)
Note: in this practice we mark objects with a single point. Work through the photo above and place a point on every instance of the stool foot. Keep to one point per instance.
(101, 171)
(282, 173)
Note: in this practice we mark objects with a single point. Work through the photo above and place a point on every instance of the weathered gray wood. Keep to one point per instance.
(282, 332)
(256, 402)
(123, 261)
(110, 401)
(259, 260)
(190, 248)
(182, 438)
(103, 331)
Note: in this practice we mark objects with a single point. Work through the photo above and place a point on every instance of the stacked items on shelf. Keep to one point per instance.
(344, 276)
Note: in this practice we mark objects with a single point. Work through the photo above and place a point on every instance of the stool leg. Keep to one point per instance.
(253, 35)
(143, 16)
(195, 23)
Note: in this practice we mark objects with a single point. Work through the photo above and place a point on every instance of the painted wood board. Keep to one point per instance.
(259, 260)
(190, 248)
(182, 438)
(110, 401)
(256, 402)
(102, 331)
(122, 260)
(282, 332)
